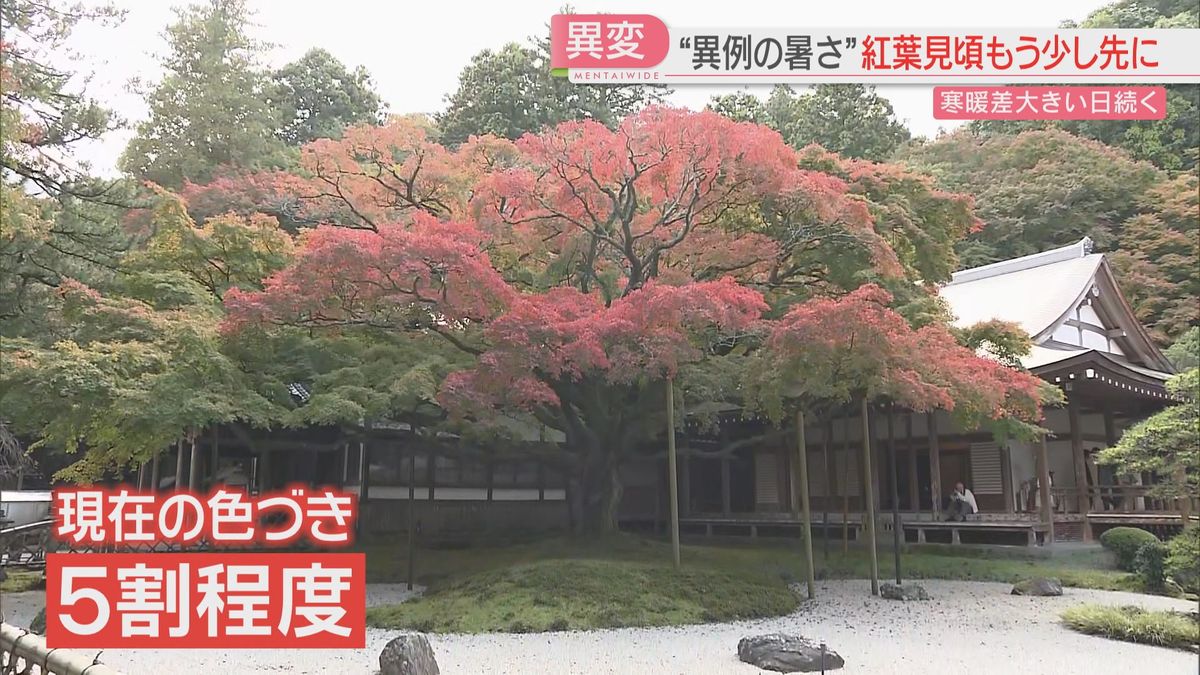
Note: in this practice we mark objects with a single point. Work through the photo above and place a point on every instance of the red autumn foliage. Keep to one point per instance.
(548, 341)
(429, 274)
(853, 346)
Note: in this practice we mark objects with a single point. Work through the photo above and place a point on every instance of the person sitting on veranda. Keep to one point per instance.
(961, 503)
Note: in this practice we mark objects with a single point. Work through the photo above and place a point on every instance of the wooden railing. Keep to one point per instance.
(1120, 499)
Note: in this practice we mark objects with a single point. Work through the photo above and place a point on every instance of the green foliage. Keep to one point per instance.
(1183, 559)
(1036, 190)
(211, 109)
(56, 221)
(1134, 624)
(1125, 543)
(317, 97)
(1184, 353)
(1166, 443)
(1006, 342)
(125, 373)
(1171, 143)
(589, 594)
(848, 119)
(510, 92)
(1150, 564)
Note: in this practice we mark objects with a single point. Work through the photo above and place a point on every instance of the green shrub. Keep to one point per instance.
(1183, 559)
(1150, 564)
(1134, 624)
(1125, 542)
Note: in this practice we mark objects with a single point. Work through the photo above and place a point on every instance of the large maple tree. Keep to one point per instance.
(584, 269)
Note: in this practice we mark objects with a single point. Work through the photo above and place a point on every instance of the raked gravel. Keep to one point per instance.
(968, 628)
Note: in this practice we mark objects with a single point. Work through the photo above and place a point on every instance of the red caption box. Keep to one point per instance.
(205, 600)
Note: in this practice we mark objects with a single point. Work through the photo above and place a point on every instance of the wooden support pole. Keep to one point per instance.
(793, 485)
(194, 468)
(412, 517)
(141, 479)
(154, 476)
(1185, 500)
(672, 477)
(935, 465)
(541, 479)
(1043, 472)
(1122, 503)
(179, 465)
(846, 483)
(431, 473)
(826, 439)
(491, 475)
(914, 489)
(802, 463)
(364, 485)
(869, 497)
(1006, 478)
(897, 526)
(726, 480)
(1082, 501)
(685, 485)
(215, 463)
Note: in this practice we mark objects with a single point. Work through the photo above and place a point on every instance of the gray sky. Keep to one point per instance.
(415, 50)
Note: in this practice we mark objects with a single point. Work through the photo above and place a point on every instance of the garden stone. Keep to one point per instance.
(904, 592)
(784, 653)
(408, 655)
(1039, 586)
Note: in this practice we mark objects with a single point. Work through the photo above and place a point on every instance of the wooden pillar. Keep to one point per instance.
(541, 479)
(826, 440)
(869, 497)
(793, 474)
(685, 485)
(141, 479)
(194, 468)
(726, 501)
(179, 465)
(364, 477)
(431, 473)
(845, 487)
(412, 508)
(1043, 473)
(491, 475)
(673, 494)
(914, 489)
(1184, 502)
(346, 465)
(154, 476)
(897, 525)
(1006, 478)
(935, 465)
(215, 456)
(1127, 503)
(802, 463)
(1081, 486)
(879, 464)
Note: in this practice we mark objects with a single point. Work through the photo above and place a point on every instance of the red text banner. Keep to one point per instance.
(205, 600)
(1049, 103)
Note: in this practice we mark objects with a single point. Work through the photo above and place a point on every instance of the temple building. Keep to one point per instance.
(1086, 340)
